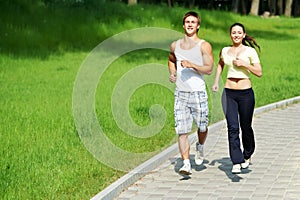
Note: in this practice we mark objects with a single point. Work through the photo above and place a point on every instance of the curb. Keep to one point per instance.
(125, 181)
(279, 104)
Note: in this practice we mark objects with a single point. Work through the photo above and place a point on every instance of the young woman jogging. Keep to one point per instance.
(238, 97)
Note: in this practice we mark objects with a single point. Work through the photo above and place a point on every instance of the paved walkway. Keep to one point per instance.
(274, 172)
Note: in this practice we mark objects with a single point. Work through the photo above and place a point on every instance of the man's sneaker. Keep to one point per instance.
(199, 156)
(236, 169)
(246, 164)
(185, 169)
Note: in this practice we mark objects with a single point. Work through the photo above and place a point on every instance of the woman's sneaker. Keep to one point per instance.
(199, 156)
(185, 169)
(236, 169)
(246, 164)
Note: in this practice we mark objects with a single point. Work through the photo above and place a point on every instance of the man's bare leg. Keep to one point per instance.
(184, 148)
(202, 136)
(199, 157)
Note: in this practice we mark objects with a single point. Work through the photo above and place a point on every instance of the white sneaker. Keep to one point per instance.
(236, 169)
(185, 169)
(246, 164)
(199, 156)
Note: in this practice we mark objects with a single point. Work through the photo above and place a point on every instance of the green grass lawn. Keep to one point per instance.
(42, 155)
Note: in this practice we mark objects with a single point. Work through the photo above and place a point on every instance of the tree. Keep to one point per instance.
(132, 2)
(280, 6)
(244, 7)
(288, 8)
(296, 8)
(235, 6)
(239, 6)
(272, 6)
(254, 7)
(191, 3)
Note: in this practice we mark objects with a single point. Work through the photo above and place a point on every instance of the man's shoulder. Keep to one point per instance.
(176, 41)
(205, 44)
(173, 44)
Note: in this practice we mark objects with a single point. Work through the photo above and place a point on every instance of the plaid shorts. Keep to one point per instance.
(189, 107)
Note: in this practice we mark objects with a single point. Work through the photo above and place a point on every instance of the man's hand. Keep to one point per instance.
(172, 78)
(186, 64)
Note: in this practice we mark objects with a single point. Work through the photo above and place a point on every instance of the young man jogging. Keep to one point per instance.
(190, 58)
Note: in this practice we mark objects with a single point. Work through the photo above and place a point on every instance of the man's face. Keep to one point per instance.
(191, 25)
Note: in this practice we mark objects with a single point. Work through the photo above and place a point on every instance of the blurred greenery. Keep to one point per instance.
(40, 28)
(42, 46)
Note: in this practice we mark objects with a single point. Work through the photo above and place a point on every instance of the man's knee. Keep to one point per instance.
(183, 136)
(203, 129)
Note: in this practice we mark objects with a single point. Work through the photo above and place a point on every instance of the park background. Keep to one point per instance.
(42, 46)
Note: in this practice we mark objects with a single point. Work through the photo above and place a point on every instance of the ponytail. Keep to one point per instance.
(250, 41)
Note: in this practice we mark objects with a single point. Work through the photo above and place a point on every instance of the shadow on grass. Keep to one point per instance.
(38, 29)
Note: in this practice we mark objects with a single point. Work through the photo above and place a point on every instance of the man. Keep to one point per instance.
(190, 58)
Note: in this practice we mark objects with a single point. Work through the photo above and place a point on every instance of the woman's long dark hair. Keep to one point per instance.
(247, 40)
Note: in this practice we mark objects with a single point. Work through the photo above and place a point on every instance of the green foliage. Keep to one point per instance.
(42, 47)
(41, 154)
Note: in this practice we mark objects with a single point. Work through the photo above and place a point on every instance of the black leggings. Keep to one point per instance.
(238, 107)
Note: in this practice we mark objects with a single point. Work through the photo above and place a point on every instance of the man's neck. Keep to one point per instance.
(191, 39)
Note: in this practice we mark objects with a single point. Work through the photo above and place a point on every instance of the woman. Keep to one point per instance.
(238, 97)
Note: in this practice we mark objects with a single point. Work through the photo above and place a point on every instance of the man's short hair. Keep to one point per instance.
(191, 13)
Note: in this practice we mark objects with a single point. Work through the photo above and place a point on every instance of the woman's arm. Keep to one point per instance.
(254, 68)
(219, 71)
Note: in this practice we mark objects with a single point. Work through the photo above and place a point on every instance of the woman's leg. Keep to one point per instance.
(230, 108)
(246, 109)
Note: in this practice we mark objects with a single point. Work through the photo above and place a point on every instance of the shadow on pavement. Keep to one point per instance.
(226, 166)
(178, 164)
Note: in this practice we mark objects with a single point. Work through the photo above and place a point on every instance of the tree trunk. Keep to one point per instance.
(235, 6)
(132, 2)
(191, 4)
(280, 6)
(254, 7)
(296, 8)
(244, 7)
(170, 3)
(288, 8)
(272, 6)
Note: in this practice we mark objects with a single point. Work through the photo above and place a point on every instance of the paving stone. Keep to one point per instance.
(274, 172)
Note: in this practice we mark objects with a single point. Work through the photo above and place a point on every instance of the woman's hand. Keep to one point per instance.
(215, 87)
(239, 63)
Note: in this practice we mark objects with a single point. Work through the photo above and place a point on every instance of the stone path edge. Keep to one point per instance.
(125, 181)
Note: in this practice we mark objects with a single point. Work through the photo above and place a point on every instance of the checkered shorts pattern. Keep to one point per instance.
(189, 107)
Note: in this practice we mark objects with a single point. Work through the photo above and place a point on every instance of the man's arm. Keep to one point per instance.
(172, 63)
(208, 60)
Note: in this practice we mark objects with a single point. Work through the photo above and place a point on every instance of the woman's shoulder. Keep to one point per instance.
(225, 49)
(251, 50)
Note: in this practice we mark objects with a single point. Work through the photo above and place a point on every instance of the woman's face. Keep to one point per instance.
(237, 34)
